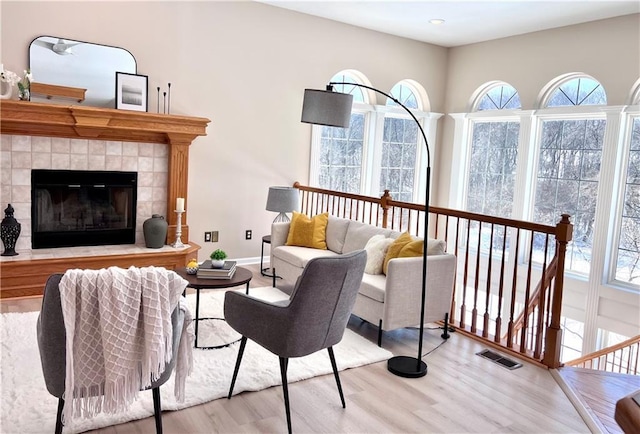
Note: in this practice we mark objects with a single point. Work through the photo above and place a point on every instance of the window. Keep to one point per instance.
(341, 149)
(399, 148)
(494, 151)
(628, 261)
(380, 150)
(569, 167)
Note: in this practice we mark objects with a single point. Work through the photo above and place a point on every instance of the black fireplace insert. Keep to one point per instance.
(82, 208)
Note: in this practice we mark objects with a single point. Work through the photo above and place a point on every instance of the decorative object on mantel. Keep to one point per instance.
(179, 210)
(9, 232)
(155, 231)
(169, 102)
(132, 91)
(7, 80)
(217, 258)
(24, 86)
(158, 101)
(53, 90)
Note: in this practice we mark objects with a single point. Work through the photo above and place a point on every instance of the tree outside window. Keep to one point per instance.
(628, 261)
(569, 168)
(400, 148)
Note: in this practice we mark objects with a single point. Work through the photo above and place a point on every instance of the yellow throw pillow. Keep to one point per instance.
(308, 232)
(414, 248)
(395, 248)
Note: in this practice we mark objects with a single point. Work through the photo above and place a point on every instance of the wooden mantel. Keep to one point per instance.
(82, 122)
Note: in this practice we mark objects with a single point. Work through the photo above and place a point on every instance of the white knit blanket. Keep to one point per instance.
(119, 336)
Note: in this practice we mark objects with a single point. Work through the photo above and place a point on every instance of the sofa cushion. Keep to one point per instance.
(436, 247)
(299, 256)
(372, 286)
(336, 233)
(376, 249)
(308, 232)
(359, 233)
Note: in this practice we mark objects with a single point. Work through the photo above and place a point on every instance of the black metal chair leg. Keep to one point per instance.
(380, 334)
(157, 409)
(243, 342)
(285, 389)
(59, 416)
(335, 373)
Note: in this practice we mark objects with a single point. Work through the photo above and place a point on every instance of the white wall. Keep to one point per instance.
(243, 65)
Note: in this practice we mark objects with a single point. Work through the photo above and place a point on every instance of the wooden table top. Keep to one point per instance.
(242, 276)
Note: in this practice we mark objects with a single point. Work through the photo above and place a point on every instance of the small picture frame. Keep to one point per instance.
(132, 92)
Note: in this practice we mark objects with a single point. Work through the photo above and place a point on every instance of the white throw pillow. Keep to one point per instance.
(376, 249)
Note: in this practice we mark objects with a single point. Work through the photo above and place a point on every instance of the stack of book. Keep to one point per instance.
(225, 272)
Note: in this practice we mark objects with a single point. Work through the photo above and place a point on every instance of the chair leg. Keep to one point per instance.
(285, 389)
(157, 409)
(335, 373)
(59, 416)
(243, 342)
(380, 333)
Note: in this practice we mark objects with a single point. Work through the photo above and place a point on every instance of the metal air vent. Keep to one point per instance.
(499, 359)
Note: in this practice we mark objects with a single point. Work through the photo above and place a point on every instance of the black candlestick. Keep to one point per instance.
(164, 102)
(9, 232)
(158, 101)
(169, 102)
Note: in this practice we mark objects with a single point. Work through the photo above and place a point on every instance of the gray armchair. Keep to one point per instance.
(314, 317)
(52, 346)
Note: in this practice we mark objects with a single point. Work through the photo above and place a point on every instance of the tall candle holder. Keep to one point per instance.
(178, 243)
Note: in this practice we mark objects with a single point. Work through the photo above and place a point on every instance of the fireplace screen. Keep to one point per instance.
(82, 208)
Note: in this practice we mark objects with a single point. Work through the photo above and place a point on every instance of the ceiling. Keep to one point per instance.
(466, 22)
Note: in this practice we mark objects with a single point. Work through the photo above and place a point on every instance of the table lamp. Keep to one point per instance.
(283, 200)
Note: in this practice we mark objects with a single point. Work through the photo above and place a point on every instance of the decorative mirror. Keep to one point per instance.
(77, 65)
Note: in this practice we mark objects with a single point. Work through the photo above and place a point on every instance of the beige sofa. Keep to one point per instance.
(391, 301)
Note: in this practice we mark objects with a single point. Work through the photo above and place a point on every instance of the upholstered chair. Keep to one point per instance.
(314, 317)
(52, 346)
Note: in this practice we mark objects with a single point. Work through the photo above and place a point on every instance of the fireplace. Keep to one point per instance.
(82, 208)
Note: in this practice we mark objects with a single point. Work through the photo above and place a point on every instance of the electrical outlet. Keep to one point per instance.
(214, 236)
(207, 237)
(247, 234)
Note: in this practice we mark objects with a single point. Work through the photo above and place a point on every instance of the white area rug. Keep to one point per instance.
(27, 407)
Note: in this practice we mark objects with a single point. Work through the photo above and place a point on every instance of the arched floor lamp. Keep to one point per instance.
(333, 109)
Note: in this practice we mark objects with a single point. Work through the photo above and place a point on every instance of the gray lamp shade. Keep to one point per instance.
(323, 107)
(283, 200)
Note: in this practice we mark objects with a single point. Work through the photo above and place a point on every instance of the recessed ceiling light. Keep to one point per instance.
(436, 21)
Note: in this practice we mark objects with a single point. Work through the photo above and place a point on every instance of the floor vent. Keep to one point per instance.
(500, 360)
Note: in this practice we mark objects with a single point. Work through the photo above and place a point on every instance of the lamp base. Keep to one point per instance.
(282, 217)
(408, 367)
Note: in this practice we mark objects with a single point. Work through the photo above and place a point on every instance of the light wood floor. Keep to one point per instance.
(462, 392)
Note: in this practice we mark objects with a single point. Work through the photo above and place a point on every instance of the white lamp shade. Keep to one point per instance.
(324, 107)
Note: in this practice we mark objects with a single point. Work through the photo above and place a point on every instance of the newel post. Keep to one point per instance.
(384, 204)
(553, 340)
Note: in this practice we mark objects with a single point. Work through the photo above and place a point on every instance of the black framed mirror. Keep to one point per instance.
(67, 62)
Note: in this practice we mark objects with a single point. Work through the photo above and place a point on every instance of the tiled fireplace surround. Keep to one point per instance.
(19, 154)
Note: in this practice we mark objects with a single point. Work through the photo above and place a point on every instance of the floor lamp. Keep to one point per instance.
(330, 108)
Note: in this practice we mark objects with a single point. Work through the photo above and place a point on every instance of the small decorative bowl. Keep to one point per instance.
(192, 270)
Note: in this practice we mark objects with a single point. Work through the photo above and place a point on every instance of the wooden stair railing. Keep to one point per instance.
(509, 285)
(621, 358)
(541, 288)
